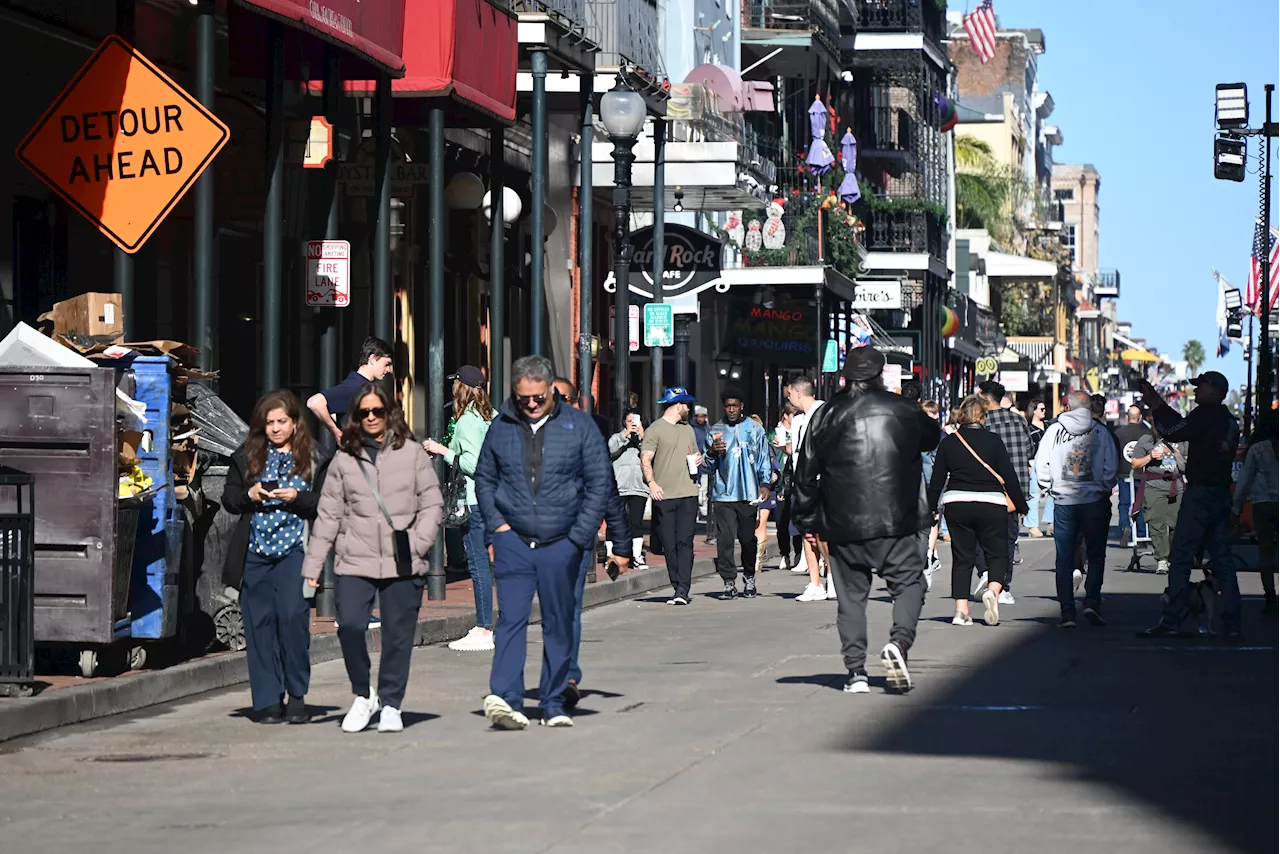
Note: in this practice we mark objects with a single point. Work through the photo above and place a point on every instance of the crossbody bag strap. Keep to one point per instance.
(994, 473)
(377, 496)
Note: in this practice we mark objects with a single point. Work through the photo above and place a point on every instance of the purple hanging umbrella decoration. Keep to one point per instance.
(849, 191)
(820, 157)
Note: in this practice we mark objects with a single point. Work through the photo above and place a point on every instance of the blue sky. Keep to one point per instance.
(1133, 86)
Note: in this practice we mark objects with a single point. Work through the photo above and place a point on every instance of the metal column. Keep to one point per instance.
(586, 230)
(382, 230)
(273, 213)
(435, 319)
(682, 350)
(203, 224)
(659, 245)
(537, 236)
(623, 158)
(497, 267)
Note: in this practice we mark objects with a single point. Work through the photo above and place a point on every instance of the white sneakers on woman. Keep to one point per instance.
(476, 640)
(992, 603)
(813, 593)
(362, 711)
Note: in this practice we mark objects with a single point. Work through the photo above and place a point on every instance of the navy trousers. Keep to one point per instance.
(277, 627)
(552, 572)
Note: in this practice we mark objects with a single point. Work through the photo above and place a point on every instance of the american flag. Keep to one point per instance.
(981, 27)
(1253, 296)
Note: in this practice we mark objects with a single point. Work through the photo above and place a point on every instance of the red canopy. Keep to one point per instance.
(372, 28)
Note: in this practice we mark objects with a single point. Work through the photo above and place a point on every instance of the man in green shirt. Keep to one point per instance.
(669, 460)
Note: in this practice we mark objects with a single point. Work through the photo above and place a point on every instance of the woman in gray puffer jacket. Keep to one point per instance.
(624, 450)
(380, 484)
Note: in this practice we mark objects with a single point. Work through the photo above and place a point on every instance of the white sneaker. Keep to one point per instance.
(961, 619)
(476, 640)
(1162, 567)
(932, 565)
(389, 720)
(981, 585)
(831, 587)
(362, 711)
(499, 713)
(1006, 598)
(1077, 578)
(895, 668)
(558, 721)
(992, 604)
(784, 563)
(813, 593)
(801, 565)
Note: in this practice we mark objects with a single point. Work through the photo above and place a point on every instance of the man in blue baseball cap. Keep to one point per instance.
(670, 461)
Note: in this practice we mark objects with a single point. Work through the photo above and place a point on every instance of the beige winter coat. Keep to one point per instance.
(348, 518)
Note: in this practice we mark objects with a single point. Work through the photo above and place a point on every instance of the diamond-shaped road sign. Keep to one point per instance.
(122, 143)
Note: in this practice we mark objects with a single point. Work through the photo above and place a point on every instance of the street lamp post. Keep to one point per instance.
(622, 110)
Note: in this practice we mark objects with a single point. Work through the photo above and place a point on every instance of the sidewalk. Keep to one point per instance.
(66, 699)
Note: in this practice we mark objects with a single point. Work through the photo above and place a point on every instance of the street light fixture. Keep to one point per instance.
(622, 110)
(1231, 106)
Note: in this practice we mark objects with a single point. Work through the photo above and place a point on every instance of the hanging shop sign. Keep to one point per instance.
(318, 148)
(876, 294)
(986, 365)
(359, 176)
(328, 273)
(1014, 380)
(783, 331)
(659, 325)
(691, 261)
(122, 143)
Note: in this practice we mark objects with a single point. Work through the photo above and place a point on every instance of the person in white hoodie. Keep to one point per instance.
(1076, 465)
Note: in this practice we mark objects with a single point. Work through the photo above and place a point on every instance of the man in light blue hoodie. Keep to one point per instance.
(740, 468)
(1076, 464)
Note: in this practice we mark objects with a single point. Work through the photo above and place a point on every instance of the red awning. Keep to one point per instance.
(372, 28)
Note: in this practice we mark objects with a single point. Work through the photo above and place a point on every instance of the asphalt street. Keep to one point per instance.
(719, 727)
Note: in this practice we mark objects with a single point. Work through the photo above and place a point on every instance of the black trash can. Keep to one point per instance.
(17, 581)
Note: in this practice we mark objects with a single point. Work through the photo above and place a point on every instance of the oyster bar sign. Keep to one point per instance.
(691, 260)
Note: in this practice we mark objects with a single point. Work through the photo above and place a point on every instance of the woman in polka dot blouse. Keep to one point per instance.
(279, 463)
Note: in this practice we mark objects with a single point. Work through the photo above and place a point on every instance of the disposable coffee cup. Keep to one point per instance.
(692, 460)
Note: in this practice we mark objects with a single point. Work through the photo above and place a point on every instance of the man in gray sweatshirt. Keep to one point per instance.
(1076, 464)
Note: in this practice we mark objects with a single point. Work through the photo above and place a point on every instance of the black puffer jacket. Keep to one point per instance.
(859, 475)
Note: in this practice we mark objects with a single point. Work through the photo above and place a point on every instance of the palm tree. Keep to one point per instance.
(986, 190)
(1193, 354)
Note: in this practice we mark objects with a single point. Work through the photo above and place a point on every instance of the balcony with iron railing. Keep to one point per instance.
(903, 16)
(821, 18)
(1106, 284)
(903, 231)
(628, 32)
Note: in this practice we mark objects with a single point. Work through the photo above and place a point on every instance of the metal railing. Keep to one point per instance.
(628, 34)
(914, 16)
(820, 17)
(1106, 283)
(572, 10)
(903, 231)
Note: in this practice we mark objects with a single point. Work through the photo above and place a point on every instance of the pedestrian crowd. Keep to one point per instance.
(865, 482)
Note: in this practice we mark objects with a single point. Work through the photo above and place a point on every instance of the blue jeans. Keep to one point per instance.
(478, 566)
(552, 572)
(1203, 517)
(277, 627)
(1093, 520)
(579, 590)
(1039, 504)
(1128, 491)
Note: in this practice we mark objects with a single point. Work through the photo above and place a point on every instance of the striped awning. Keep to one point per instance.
(1037, 351)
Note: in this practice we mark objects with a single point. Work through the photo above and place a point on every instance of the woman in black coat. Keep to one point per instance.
(273, 483)
(967, 485)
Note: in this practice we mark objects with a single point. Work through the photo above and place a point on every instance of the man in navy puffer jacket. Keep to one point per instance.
(543, 483)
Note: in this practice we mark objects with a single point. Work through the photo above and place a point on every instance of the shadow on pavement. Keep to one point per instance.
(1188, 726)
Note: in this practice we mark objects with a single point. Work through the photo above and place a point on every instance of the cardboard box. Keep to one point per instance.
(97, 316)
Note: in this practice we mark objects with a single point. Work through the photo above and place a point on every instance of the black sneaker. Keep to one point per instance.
(1093, 613)
(571, 696)
(749, 587)
(730, 590)
(1232, 633)
(857, 683)
(681, 598)
(1068, 621)
(295, 711)
(1163, 630)
(272, 714)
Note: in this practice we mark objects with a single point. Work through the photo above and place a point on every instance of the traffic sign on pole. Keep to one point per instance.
(328, 273)
(659, 325)
(122, 143)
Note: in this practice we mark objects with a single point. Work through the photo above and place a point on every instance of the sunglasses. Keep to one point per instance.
(377, 412)
(526, 399)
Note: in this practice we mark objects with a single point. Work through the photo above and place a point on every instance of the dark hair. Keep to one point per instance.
(1097, 405)
(353, 433)
(373, 347)
(573, 389)
(731, 393)
(858, 387)
(804, 385)
(1032, 404)
(992, 390)
(911, 390)
(789, 408)
(255, 444)
(1265, 428)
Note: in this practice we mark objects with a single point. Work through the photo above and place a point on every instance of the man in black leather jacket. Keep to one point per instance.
(859, 488)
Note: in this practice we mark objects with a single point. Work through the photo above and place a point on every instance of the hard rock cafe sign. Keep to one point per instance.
(691, 262)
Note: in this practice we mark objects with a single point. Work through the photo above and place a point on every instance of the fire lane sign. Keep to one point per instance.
(328, 273)
(123, 143)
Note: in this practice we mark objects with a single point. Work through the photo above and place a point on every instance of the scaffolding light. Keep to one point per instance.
(1231, 106)
(1228, 158)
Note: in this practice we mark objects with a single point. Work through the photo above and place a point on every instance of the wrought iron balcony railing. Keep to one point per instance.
(912, 16)
(573, 11)
(820, 17)
(628, 34)
(904, 231)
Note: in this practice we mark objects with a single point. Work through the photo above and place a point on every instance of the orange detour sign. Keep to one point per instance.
(122, 143)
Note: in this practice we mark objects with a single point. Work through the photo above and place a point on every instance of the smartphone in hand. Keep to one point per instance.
(270, 485)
